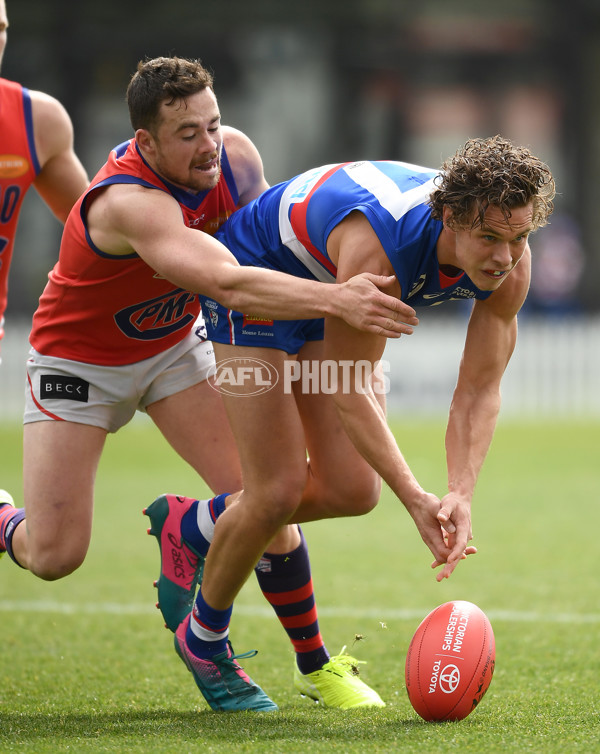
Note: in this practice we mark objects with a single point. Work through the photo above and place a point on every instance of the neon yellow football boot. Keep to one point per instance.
(337, 684)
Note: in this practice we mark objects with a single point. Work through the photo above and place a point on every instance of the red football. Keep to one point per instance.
(450, 661)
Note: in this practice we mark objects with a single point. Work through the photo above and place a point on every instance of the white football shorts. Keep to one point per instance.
(106, 396)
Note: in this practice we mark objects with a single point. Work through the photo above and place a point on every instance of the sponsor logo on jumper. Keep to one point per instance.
(63, 387)
(13, 165)
(463, 293)
(417, 286)
(451, 294)
(458, 294)
(158, 317)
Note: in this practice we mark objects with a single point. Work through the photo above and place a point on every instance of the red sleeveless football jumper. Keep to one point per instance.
(113, 310)
(19, 167)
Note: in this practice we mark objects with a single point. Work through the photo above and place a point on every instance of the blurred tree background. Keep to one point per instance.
(323, 81)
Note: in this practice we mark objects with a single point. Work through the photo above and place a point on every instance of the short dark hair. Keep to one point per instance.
(492, 172)
(159, 80)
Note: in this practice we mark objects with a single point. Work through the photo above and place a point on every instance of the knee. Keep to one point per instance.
(366, 499)
(358, 499)
(279, 497)
(283, 500)
(51, 564)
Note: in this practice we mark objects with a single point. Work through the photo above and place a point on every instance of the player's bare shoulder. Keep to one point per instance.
(121, 214)
(246, 164)
(354, 247)
(238, 145)
(52, 126)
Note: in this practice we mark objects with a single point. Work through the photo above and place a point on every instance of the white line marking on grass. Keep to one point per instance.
(260, 611)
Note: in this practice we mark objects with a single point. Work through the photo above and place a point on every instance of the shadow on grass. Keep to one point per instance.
(292, 725)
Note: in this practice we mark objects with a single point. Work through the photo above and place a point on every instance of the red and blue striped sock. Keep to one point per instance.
(198, 523)
(208, 629)
(286, 582)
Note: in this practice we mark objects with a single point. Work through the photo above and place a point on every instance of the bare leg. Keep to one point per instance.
(60, 460)
(272, 448)
(195, 424)
(340, 482)
(272, 431)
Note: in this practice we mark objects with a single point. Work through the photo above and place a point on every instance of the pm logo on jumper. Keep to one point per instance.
(159, 317)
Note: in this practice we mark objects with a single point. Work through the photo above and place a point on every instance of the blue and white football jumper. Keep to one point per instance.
(287, 227)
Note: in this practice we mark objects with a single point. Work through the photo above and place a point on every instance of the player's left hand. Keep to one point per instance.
(368, 308)
(454, 518)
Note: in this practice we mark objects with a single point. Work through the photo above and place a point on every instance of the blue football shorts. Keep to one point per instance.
(237, 329)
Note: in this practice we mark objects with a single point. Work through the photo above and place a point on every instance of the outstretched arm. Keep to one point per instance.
(354, 246)
(129, 217)
(490, 341)
(365, 423)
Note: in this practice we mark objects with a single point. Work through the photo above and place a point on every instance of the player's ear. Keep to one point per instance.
(145, 141)
(446, 215)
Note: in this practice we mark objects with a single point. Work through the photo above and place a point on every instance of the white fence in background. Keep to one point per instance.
(554, 372)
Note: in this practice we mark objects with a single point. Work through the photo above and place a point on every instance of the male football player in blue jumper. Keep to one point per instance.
(458, 233)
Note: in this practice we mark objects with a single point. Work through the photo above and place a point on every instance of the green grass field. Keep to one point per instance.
(88, 667)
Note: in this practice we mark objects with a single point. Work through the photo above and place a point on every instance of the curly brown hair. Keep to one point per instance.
(159, 80)
(492, 172)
